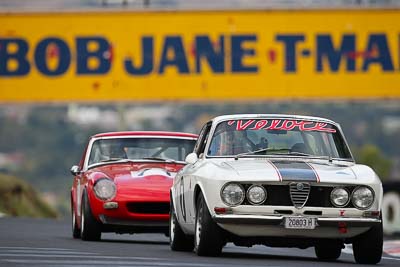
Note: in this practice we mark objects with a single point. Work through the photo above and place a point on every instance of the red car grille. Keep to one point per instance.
(148, 207)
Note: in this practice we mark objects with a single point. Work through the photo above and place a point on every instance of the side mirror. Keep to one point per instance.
(75, 170)
(191, 158)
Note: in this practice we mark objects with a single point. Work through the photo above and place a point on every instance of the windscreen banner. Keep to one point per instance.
(200, 55)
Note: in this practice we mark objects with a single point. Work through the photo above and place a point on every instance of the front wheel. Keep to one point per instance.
(368, 247)
(208, 235)
(90, 227)
(328, 250)
(178, 240)
(76, 232)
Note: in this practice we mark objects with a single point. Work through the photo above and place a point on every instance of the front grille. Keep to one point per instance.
(319, 196)
(278, 195)
(299, 193)
(148, 207)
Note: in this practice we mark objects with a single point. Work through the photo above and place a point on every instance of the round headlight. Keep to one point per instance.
(362, 197)
(256, 194)
(105, 189)
(340, 197)
(232, 194)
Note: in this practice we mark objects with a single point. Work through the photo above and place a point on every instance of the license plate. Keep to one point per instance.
(300, 223)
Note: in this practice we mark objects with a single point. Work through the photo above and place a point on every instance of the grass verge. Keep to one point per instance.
(18, 198)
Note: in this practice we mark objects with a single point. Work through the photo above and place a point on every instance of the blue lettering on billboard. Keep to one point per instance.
(214, 54)
(102, 55)
(238, 53)
(334, 56)
(290, 42)
(147, 59)
(178, 60)
(56, 48)
(19, 57)
(378, 53)
(53, 56)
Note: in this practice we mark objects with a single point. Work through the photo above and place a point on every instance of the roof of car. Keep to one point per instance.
(271, 116)
(146, 133)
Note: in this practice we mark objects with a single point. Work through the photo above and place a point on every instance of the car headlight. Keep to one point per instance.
(232, 194)
(339, 197)
(362, 197)
(256, 194)
(105, 189)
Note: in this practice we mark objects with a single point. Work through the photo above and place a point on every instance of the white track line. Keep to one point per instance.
(137, 263)
(34, 248)
(61, 252)
(79, 256)
(390, 258)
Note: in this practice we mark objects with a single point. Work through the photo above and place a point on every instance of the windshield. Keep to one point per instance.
(278, 137)
(140, 148)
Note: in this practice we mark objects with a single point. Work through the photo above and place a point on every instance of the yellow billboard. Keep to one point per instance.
(201, 55)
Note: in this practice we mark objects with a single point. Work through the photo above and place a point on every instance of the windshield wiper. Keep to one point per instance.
(295, 153)
(112, 159)
(289, 153)
(134, 160)
(159, 159)
(260, 150)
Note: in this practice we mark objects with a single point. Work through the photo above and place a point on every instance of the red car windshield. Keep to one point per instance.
(278, 136)
(139, 148)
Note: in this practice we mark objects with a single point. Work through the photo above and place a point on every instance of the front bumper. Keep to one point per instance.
(118, 225)
(126, 222)
(279, 220)
(273, 226)
(118, 216)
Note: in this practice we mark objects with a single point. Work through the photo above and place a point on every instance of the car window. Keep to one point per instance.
(312, 143)
(277, 136)
(203, 136)
(82, 161)
(138, 148)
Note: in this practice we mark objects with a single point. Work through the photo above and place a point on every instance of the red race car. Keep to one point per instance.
(123, 180)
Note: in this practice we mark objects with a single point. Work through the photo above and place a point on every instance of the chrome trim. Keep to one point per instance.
(86, 165)
(124, 161)
(344, 219)
(278, 220)
(249, 219)
(306, 190)
(110, 205)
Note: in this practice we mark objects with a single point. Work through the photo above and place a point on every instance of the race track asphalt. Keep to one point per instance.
(46, 242)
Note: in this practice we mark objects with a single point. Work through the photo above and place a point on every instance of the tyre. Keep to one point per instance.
(178, 240)
(367, 247)
(76, 232)
(391, 212)
(90, 227)
(328, 250)
(208, 238)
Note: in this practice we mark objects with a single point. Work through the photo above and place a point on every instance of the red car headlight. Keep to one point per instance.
(105, 189)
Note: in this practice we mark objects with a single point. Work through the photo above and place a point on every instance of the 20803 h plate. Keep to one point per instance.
(300, 222)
